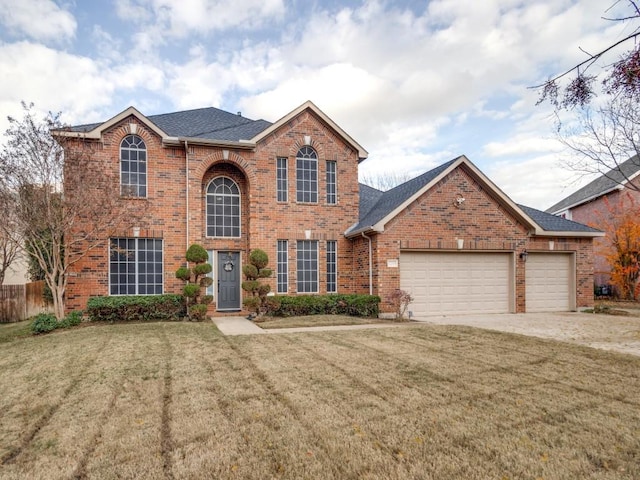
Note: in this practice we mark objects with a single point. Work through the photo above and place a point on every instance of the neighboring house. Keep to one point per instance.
(232, 184)
(18, 272)
(589, 204)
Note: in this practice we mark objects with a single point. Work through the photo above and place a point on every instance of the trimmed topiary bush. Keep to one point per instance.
(196, 279)
(259, 303)
(136, 308)
(74, 318)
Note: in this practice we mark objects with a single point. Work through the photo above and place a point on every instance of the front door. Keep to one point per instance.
(228, 281)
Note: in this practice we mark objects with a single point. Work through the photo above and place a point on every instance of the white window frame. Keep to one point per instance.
(282, 179)
(282, 266)
(307, 161)
(136, 263)
(332, 262)
(332, 181)
(239, 216)
(135, 147)
(301, 247)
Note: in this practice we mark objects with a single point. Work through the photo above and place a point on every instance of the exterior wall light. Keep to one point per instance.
(523, 255)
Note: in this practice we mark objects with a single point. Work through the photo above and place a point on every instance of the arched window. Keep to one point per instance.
(223, 208)
(133, 167)
(307, 175)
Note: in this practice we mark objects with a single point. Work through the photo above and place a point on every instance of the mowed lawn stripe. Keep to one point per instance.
(179, 400)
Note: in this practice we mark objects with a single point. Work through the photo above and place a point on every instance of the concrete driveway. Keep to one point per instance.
(608, 332)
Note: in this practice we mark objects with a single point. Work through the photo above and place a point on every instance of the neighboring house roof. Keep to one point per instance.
(554, 223)
(378, 209)
(614, 179)
(209, 126)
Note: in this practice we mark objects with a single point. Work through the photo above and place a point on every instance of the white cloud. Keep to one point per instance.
(39, 19)
(162, 18)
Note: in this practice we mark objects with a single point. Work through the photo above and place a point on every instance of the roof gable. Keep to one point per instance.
(207, 125)
(392, 202)
(614, 179)
(309, 105)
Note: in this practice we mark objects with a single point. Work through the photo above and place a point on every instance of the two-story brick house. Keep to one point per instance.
(594, 203)
(232, 184)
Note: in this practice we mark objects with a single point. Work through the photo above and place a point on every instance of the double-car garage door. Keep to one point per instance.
(459, 283)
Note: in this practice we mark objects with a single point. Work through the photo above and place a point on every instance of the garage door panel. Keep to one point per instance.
(549, 282)
(456, 283)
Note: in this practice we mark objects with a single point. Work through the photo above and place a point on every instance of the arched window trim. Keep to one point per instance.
(235, 227)
(307, 175)
(133, 167)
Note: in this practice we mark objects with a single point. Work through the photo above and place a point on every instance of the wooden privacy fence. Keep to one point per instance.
(19, 302)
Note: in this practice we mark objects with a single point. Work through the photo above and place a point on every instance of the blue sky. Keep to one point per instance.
(415, 82)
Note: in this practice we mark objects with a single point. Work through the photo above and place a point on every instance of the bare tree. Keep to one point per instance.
(606, 141)
(385, 181)
(619, 79)
(60, 227)
(9, 241)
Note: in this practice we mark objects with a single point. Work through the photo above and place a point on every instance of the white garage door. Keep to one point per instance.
(456, 283)
(550, 283)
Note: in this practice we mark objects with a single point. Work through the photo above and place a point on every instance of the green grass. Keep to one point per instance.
(179, 400)
(14, 331)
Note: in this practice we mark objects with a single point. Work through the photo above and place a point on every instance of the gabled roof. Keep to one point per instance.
(309, 105)
(204, 125)
(614, 179)
(209, 126)
(377, 209)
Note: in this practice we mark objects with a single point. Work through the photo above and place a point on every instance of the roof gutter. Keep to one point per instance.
(370, 229)
(545, 233)
(242, 144)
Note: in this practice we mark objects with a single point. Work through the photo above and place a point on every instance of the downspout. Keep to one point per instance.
(186, 175)
(370, 265)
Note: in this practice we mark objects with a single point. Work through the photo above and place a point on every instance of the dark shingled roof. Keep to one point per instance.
(207, 123)
(606, 182)
(392, 199)
(553, 223)
(368, 198)
(375, 205)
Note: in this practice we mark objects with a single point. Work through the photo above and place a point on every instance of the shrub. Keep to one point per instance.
(336, 304)
(136, 308)
(74, 318)
(44, 323)
(196, 279)
(400, 299)
(254, 272)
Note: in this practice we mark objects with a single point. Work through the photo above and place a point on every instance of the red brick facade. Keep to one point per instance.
(174, 210)
(434, 222)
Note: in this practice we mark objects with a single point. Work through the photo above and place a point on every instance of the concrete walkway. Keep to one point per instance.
(606, 332)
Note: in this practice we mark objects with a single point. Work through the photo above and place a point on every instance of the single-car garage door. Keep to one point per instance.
(549, 282)
(457, 282)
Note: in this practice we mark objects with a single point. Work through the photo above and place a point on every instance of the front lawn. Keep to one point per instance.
(317, 321)
(178, 400)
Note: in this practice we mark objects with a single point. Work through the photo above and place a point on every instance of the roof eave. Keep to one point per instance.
(369, 229)
(587, 200)
(96, 133)
(242, 144)
(549, 233)
(362, 153)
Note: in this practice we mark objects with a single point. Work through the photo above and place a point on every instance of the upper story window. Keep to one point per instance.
(133, 167)
(307, 175)
(282, 181)
(332, 197)
(223, 208)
